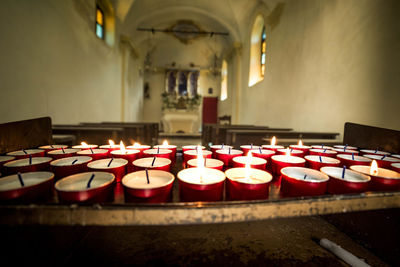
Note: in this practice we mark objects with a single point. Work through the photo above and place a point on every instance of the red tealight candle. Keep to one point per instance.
(148, 186)
(158, 152)
(67, 166)
(317, 162)
(87, 187)
(382, 160)
(255, 163)
(114, 166)
(301, 147)
(139, 147)
(381, 179)
(342, 181)
(345, 147)
(214, 149)
(298, 181)
(84, 146)
(226, 156)
(26, 153)
(346, 151)
(5, 159)
(348, 160)
(272, 146)
(191, 147)
(323, 147)
(62, 153)
(209, 163)
(247, 148)
(153, 163)
(111, 146)
(293, 152)
(282, 161)
(49, 148)
(322, 152)
(27, 165)
(128, 154)
(192, 154)
(264, 154)
(373, 152)
(95, 154)
(165, 145)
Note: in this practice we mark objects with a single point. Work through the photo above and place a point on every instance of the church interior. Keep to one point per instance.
(202, 72)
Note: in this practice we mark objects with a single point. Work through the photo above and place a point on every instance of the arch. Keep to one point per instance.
(255, 73)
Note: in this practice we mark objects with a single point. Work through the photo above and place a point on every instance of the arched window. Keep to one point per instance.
(224, 81)
(257, 51)
(100, 22)
(105, 21)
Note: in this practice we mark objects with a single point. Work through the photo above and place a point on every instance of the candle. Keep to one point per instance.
(5, 159)
(139, 147)
(264, 154)
(167, 146)
(247, 183)
(49, 148)
(395, 156)
(348, 160)
(247, 148)
(191, 147)
(67, 166)
(226, 156)
(114, 166)
(153, 186)
(322, 152)
(161, 153)
(293, 152)
(129, 154)
(208, 163)
(214, 149)
(382, 160)
(255, 163)
(27, 165)
(395, 167)
(282, 161)
(347, 182)
(155, 163)
(346, 151)
(111, 146)
(323, 147)
(95, 154)
(26, 153)
(192, 154)
(88, 187)
(301, 147)
(62, 153)
(84, 146)
(298, 181)
(347, 147)
(374, 152)
(272, 146)
(381, 179)
(26, 187)
(317, 162)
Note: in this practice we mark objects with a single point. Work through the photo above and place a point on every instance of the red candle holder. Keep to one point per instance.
(192, 154)
(351, 182)
(348, 160)
(160, 153)
(141, 148)
(317, 162)
(208, 187)
(214, 149)
(226, 156)
(247, 148)
(172, 148)
(382, 160)
(298, 181)
(154, 163)
(293, 152)
(36, 164)
(373, 152)
(254, 187)
(87, 187)
(272, 147)
(114, 166)
(129, 154)
(95, 154)
(26, 188)
(264, 154)
(323, 152)
(68, 166)
(153, 187)
(62, 153)
(26, 153)
(303, 148)
(281, 161)
(255, 163)
(49, 148)
(209, 163)
(383, 180)
(395, 167)
(191, 147)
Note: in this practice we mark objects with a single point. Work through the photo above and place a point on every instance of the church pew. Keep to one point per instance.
(131, 133)
(94, 135)
(151, 130)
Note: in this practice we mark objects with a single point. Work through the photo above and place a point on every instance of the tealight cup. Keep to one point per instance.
(95, 154)
(298, 181)
(114, 166)
(382, 160)
(88, 187)
(192, 154)
(154, 163)
(214, 149)
(26, 153)
(191, 147)
(157, 189)
(317, 162)
(303, 148)
(255, 163)
(383, 180)
(373, 152)
(282, 161)
(351, 182)
(323, 147)
(272, 147)
(49, 148)
(345, 146)
(322, 152)
(226, 156)
(240, 187)
(168, 147)
(160, 153)
(207, 187)
(25, 165)
(346, 151)
(35, 186)
(349, 160)
(62, 153)
(293, 152)
(209, 163)
(247, 148)
(141, 148)
(67, 166)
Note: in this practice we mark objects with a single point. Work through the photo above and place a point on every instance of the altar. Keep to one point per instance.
(180, 121)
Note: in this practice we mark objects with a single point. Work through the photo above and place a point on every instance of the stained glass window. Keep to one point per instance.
(99, 23)
(263, 51)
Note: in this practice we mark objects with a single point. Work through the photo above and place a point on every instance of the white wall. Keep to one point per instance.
(328, 62)
(52, 64)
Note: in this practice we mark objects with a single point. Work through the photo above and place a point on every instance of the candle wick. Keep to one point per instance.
(23, 150)
(352, 156)
(51, 146)
(322, 146)
(320, 159)
(110, 162)
(305, 176)
(222, 147)
(147, 176)
(91, 150)
(63, 150)
(384, 156)
(376, 150)
(158, 150)
(30, 159)
(90, 180)
(21, 181)
(229, 151)
(154, 160)
(324, 150)
(343, 172)
(251, 146)
(260, 150)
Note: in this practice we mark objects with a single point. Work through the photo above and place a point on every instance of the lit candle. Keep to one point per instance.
(26, 187)
(293, 152)
(27, 165)
(317, 162)
(247, 148)
(62, 153)
(301, 147)
(114, 166)
(129, 154)
(383, 161)
(381, 179)
(165, 145)
(139, 147)
(226, 155)
(214, 149)
(67, 166)
(341, 182)
(95, 154)
(273, 146)
(322, 152)
(282, 161)
(209, 163)
(154, 163)
(350, 159)
(84, 146)
(111, 146)
(192, 154)
(298, 181)
(26, 153)
(152, 186)
(255, 163)
(88, 187)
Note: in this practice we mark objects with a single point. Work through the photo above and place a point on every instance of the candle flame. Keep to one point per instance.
(247, 166)
(200, 162)
(165, 143)
(273, 141)
(300, 143)
(136, 145)
(111, 142)
(84, 144)
(122, 146)
(374, 168)
(287, 152)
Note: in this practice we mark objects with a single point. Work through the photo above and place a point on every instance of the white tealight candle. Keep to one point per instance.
(209, 163)
(395, 156)
(288, 159)
(382, 157)
(70, 161)
(345, 146)
(206, 177)
(29, 179)
(157, 179)
(323, 147)
(346, 151)
(151, 162)
(253, 160)
(377, 152)
(381, 172)
(218, 147)
(191, 147)
(305, 174)
(52, 147)
(85, 146)
(193, 153)
(317, 151)
(79, 182)
(156, 152)
(254, 176)
(348, 175)
(104, 164)
(26, 152)
(27, 162)
(59, 153)
(322, 159)
(4, 159)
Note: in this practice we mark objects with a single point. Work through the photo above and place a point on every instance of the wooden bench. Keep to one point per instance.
(94, 135)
